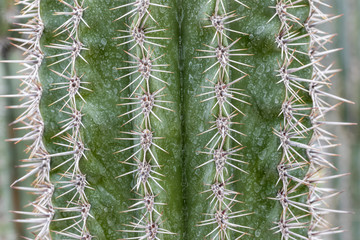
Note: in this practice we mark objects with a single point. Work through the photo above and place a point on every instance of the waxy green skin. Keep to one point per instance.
(102, 124)
(183, 183)
(262, 116)
(101, 121)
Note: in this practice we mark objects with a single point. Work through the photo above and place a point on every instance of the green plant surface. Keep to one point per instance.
(265, 96)
(112, 195)
(217, 113)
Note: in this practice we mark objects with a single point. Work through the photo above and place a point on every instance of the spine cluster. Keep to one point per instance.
(322, 139)
(226, 98)
(37, 164)
(293, 40)
(305, 141)
(145, 101)
(73, 183)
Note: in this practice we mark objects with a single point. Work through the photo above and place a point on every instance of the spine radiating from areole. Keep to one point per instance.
(322, 140)
(72, 182)
(37, 164)
(294, 132)
(143, 42)
(303, 211)
(224, 95)
(177, 119)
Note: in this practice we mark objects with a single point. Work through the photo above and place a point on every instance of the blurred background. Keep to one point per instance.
(345, 84)
(10, 154)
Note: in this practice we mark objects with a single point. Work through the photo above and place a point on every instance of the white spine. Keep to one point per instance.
(322, 141)
(223, 93)
(38, 162)
(144, 101)
(294, 111)
(73, 183)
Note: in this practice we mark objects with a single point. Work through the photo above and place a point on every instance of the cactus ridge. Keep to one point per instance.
(305, 141)
(291, 131)
(72, 183)
(222, 91)
(38, 161)
(144, 101)
(295, 111)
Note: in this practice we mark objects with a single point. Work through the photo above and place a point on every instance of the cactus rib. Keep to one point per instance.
(38, 161)
(177, 119)
(220, 92)
(72, 184)
(145, 101)
(294, 111)
(321, 141)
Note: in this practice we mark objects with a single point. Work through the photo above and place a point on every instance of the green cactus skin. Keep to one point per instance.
(269, 64)
(110, 195)
(262, 116)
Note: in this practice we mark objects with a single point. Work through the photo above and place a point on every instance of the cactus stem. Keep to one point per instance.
(144, 106)
(70, 133)
(222, 92)
(295, 111)
(289, 143)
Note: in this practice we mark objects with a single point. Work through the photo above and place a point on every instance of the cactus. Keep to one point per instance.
(154, 119)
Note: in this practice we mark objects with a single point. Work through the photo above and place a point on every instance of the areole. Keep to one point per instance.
(177, 119)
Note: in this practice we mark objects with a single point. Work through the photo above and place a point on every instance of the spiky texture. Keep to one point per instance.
(295, 112)
(38, 162)
(214, 129)
(146, 99)
(225, 97)
(72, 184)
